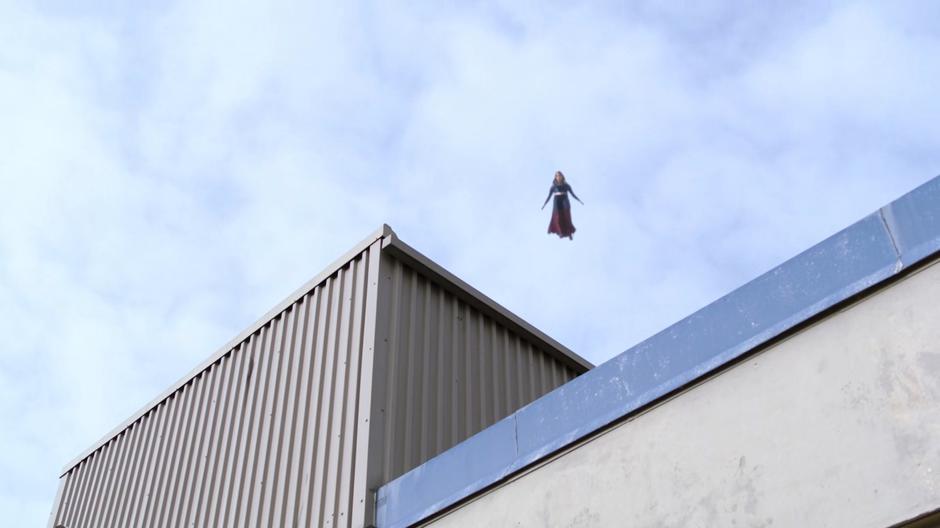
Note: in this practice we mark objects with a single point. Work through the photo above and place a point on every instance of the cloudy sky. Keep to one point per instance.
(171, 170)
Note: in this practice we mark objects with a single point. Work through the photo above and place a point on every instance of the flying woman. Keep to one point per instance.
(561, 214)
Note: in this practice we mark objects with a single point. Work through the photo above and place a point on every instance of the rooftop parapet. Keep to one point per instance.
(870, 252)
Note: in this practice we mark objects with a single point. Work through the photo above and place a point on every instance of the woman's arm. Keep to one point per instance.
(549, 197)
(575, 195)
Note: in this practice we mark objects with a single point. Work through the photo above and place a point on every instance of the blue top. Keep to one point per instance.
(560, 199)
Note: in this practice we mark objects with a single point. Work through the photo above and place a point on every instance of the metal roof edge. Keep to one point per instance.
(382, 232)
(434, 269)
(868, 253)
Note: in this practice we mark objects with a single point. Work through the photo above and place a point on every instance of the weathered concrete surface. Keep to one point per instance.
(837, 426)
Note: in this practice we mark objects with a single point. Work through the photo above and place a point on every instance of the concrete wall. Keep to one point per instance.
(837, 426)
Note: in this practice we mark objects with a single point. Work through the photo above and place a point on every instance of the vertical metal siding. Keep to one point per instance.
(452, 370)
(368, 373)
(264, 436)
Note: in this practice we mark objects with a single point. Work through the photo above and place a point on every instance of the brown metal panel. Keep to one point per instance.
(313, 463)
(370, 414)
(164, 459)
(354, 394)
(390, 309)
(480, 302)
(185, 475)
(209, 450)
(241, 469)
(201, 430)
(530, 356)
(412, 366)
(494, 373)
(347, 484)
(189, 476)
(255, 420)
(278, 437)
(100, 465)
(120, 478)
(299, 479)
(58, 502)
(503, 373)
(169, 415)
(427, 423)
(453, 367)
(178, 454)
(463, 359)
(159, 417)
(86, 485)
(458, 374)
(434, 392)
(168, 461)
(97, 471)
(134, 473)
(332, 438)
(183, 454)
(471, 407)
(276, 485)
(352, 335)
(84, 476)
(62, 500)
(73, 493)
(272, 497)
(66, 494)
(262, 459)
(336, 437)
(439, 369)
(324, 420)
(222, 506)
(371, 371)
(376, 237)
(222, 450)
(107, 481)
(258, 482)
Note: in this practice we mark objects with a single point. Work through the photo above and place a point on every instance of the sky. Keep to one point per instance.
(171, 170)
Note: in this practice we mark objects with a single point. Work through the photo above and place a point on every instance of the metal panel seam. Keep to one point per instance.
(891, 237)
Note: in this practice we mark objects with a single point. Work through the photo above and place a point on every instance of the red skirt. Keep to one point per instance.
(561, 222)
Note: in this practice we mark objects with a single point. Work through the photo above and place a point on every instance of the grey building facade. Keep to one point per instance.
(838, 425)
(370, 369)
(388, 393)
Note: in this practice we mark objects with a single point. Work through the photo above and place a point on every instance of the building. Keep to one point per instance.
(388, 393)
(373, 367)
(809, 397)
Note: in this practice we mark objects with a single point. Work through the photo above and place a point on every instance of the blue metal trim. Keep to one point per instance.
(467, 468)
(855, 259)
(914, 221)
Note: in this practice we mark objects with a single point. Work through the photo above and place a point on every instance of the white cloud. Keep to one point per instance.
(172, 172)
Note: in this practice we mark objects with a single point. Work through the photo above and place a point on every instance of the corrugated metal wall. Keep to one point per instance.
(452, 370)
(372, 372)
(265, 436)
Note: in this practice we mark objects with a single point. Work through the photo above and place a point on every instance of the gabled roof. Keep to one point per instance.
(388, 241)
